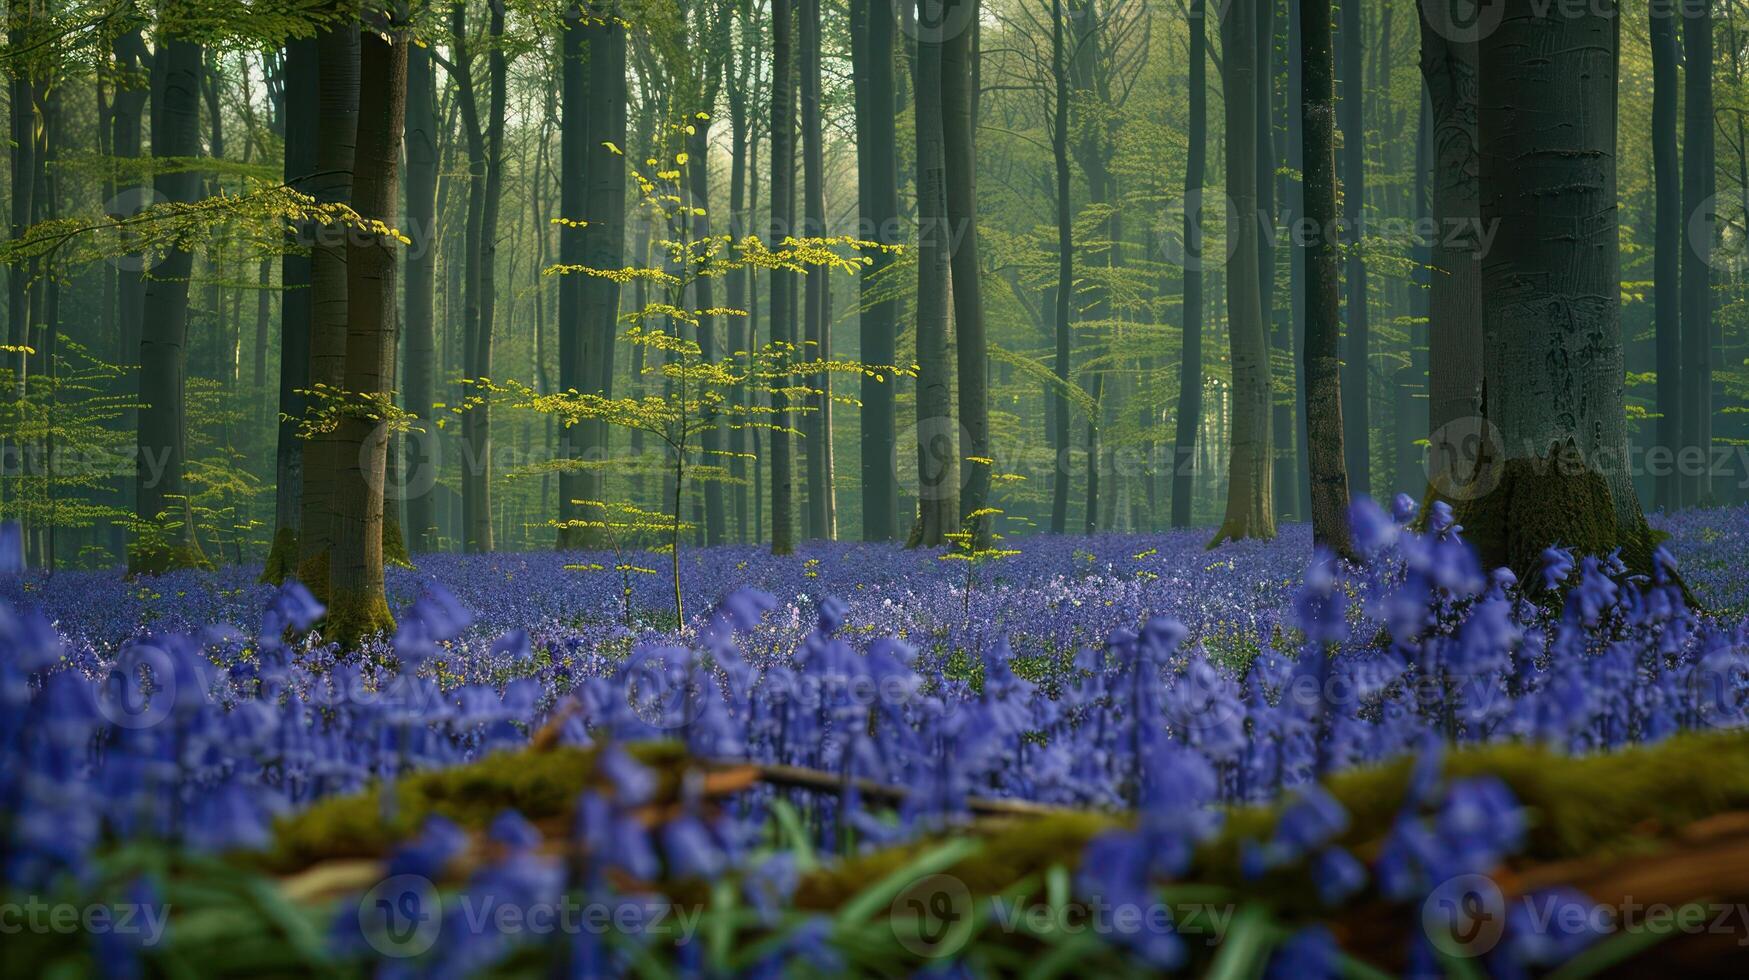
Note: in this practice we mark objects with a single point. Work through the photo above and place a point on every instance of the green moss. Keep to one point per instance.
(394, 542)
(1594, 806)
(159, 559)
(1543, 502)
(313, 572)
(282, 558)
(355, 614)
(539, 784)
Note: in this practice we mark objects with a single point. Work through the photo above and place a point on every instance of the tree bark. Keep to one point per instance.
(1552, 343)
(302, 105)
(336, 132)
(1667, 251)
(1321, 355)
(1250, 476)
(959, 143)
(1697, 299)
(817, 421)
(1357, 341)
(1190, 360)
(1064, 293)
(357, 603)
(161, 496)
(878, 191)
(421, 315)
(1454, 330)
(937, 438)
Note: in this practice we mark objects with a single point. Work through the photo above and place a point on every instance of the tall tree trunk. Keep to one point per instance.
(1250, 496)
(959, 141)
(871, 32)
(337, 80)
(1667, 252)
(1697, 299)
(302, 106)
(1357, 342)
(160, 491)
(421, 315)
(1322, 395)
(738, 282)
(817, 421)
(357, 603)
(1454, 330)
(698, 172)
(783, 170)
(1296, 210)
(1190, 361)
(1280, 330)
(1552, 345)
(601, 245)
(937, 438)
(1064, 292)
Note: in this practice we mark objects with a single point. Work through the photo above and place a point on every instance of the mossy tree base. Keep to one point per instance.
(282, 558)
(394, 542)
(354, 615)
(1557, 500)
(162, 559)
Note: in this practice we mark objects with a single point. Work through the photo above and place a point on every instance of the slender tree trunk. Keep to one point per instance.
(1357, 342)
(816, 421)
(1184, 455)
(715, 518)
(1296, 210)
(738, 281)
(959, 142)
(937, 438)
(1280, 330)
(302, 105)
(878, 192)
(1697, 299)
(160, 492)
(1667, 252)
(783, 167)
(1065, 287)
(1454, 334)
(1250, 476)
(421, 315)
(1552, 344)
(602, 244)
(357, 603)
(1322, 394)
(338, 95)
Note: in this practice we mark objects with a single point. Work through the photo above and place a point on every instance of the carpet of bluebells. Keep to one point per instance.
(1135, 673)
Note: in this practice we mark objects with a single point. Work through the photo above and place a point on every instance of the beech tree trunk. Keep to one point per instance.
(1064, 293)
(357, 603)
(937, 438)
(783, 288)
(1321, 355)
(1184, 454)
(1667, 252)
(1697, 298)
(160, 492)
(1552, 343)
(337, 127)
(1454, 334)
(1357, 340)
(959, 138)
(1250, 476)
(420, 315)
(302, 104)
(871, 33)
(817, 421)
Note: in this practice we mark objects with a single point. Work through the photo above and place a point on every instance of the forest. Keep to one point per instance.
(873, 487)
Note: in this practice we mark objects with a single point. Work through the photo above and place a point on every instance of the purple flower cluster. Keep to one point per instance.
(1115, 672)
